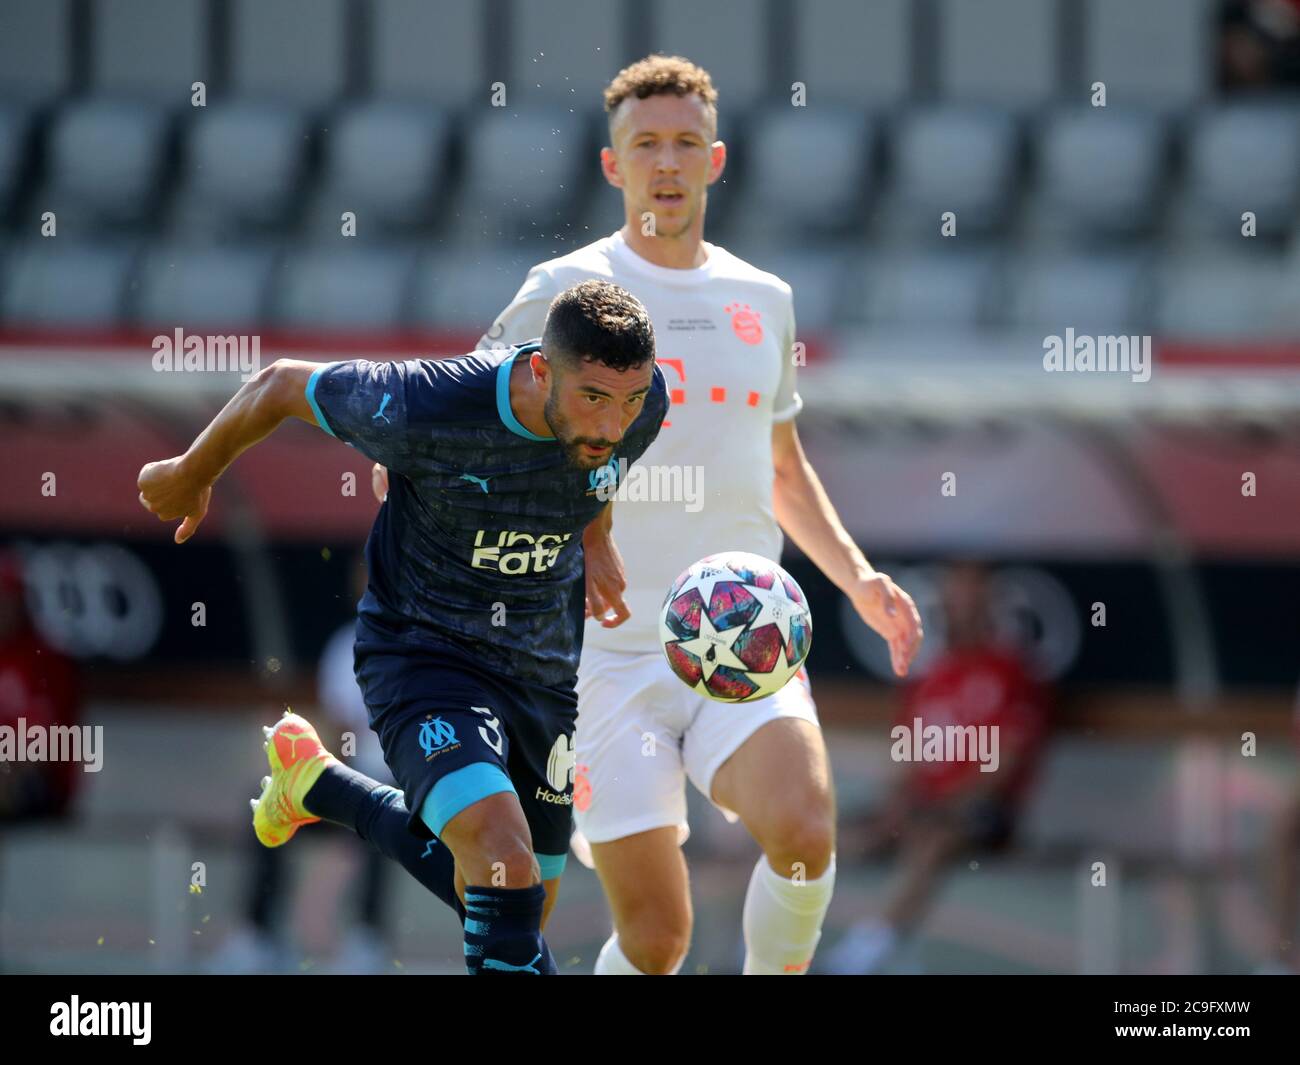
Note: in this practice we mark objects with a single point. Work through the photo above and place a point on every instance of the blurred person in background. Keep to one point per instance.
(258, 946)
(939, 810)
(1259, 44)
(1284, 876)
(38, 688)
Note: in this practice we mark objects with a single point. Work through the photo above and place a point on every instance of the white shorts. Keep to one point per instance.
(642, 732)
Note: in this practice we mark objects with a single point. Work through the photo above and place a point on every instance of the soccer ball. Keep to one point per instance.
(735, 627)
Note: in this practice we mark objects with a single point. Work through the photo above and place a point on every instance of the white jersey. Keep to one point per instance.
(724, 336)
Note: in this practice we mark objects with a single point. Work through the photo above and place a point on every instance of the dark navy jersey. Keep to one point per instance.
(478, 549)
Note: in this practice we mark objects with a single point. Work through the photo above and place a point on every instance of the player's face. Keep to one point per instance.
(590, 406)
(664, 158)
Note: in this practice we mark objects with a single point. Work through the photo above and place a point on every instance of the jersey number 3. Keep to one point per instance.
(493, 741)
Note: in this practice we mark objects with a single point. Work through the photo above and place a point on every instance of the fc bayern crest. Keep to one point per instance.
(735, 627)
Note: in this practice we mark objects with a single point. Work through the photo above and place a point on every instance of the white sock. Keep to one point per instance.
(783, 920)
(611, 961)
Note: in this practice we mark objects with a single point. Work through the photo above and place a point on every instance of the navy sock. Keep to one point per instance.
(378, 813)
(340, 795)
(503, 932)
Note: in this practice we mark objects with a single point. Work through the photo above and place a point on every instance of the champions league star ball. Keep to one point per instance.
(735, 627)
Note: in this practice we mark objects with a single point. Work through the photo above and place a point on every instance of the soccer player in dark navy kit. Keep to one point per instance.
(469, 633)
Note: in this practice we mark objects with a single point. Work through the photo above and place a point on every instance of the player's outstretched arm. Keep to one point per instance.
(806, 513)
(181, 487)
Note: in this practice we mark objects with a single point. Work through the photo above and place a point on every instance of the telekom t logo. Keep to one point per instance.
(677, 396)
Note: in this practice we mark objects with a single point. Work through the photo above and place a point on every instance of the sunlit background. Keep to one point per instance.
(1111, 167)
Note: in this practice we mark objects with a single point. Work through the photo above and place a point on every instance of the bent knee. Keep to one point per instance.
(657, 949)
(493, 858)
(800, 842)
(510, 863)
(491, 843)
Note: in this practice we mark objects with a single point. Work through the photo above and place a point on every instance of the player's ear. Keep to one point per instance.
(717, 160)
(537, 362)
(609, 167)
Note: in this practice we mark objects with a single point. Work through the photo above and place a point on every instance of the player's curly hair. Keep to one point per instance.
(658, 74)
(597, 321)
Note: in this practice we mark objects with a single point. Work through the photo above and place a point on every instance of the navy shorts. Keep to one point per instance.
(453, 734)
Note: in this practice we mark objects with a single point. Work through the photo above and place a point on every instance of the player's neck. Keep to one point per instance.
(686, 252)
(527, 400)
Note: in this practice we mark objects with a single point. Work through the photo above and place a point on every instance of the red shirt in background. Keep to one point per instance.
(978, 686)
(39, 685)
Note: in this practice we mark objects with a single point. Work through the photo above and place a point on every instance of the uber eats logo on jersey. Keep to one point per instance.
(560, 764)
(513, 553)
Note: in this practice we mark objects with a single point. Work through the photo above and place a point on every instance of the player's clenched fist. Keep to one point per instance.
(169, 492)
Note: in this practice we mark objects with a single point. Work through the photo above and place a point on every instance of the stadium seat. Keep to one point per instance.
(525, 171)
(428, 51)
(1100, 171)
(106, 161)
(565, 50)
(853, 53)
(1153, 54)
(149, 49)
(1224, 298)
(810, 169)
(289, 51)
(1098, 294)
(14, 142)
(387, 162)
(35, 51)
(242, 164)
(818, 281)
(726, 37)
(1244, 157)
(954, 289)
(602, 214)
(998, 52)
(204, 287)
(466, 290)
(955, 159)
(55, 283)
(343, 288)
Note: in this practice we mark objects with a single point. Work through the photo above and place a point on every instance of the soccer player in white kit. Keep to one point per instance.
(725, 333)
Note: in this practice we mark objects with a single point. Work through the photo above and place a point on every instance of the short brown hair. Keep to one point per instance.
(658, 74)
(598, 321)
